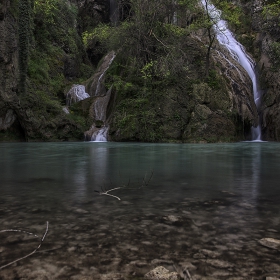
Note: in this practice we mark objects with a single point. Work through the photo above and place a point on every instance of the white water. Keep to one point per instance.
(237, 51)
(100, 135)
(101, 76)
(76, 94)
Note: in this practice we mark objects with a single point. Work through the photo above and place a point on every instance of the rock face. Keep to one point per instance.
(267, 34)
(8, 64)
(27, 117)
(197, 110)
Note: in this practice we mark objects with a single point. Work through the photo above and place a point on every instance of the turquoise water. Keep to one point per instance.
(176, 200)
(74, 170)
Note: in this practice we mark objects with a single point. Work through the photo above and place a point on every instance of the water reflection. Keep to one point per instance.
(219, 198)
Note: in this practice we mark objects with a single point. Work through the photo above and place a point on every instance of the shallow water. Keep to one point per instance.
(200, 206)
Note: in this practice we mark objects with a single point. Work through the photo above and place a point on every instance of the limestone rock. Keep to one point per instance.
(7, 120)
(270, 243)
(161, 273)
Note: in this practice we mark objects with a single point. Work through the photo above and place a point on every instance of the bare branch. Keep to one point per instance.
(186, 273)
(103, 192)
(18, 230)
(145, 183)
(33, 252)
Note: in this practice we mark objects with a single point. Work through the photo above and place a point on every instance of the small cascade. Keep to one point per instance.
(102, 74)
(238, 53)
(100, 128)
(100, 135)
(101, 97)
(76, 94)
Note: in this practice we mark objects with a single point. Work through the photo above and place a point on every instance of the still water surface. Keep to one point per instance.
(217, 197)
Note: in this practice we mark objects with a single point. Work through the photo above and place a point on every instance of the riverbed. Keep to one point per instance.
(118, 210)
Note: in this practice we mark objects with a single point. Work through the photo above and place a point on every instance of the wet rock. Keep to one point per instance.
(161, 273)
(219, 263)
(80, 211)
(210, 254)
(173, 218)
(199, 256)
(112, 276)
(270, 243)
(158, 262)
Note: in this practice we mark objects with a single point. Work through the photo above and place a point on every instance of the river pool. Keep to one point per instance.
(205, 208)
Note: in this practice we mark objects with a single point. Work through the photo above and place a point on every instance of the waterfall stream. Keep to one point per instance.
(226, 38)
(99, 134)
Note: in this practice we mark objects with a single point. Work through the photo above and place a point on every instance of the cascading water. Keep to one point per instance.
(76, 94)
(237, 51)
(100, 110)
(101, 76)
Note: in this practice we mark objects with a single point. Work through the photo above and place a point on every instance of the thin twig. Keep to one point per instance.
(18, 230)
(188, 274)
(33, 252)
(144, 181)
(103, 192)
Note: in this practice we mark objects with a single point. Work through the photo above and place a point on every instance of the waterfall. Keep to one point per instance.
(238, 53)
(98, 110)
(101, 76)
(99, 134)
(76, 94)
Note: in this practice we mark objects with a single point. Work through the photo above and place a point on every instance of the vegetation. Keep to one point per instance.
(271, 13)
(163, 56)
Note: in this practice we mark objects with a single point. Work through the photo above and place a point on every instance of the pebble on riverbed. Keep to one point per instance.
(270, 243)
(161, 273)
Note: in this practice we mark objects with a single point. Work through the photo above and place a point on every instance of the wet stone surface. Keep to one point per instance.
(106, 239)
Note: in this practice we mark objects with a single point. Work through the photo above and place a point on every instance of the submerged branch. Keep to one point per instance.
(145, 182)
(33, 252)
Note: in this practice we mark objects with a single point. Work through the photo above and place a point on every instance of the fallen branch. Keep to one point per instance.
(186, 272)
(106, 192)
(145, 182)
(18, 230)
(33, 252)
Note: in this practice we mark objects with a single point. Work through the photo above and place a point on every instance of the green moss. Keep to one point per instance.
(214, 80)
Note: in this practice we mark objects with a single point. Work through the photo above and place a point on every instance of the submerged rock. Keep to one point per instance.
(161, 273)
(270, 243)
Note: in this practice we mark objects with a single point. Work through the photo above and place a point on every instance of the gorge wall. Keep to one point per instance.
(266, 26)
(158, 87)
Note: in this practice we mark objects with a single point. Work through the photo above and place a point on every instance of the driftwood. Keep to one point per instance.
(145, 181)
(34, 251)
